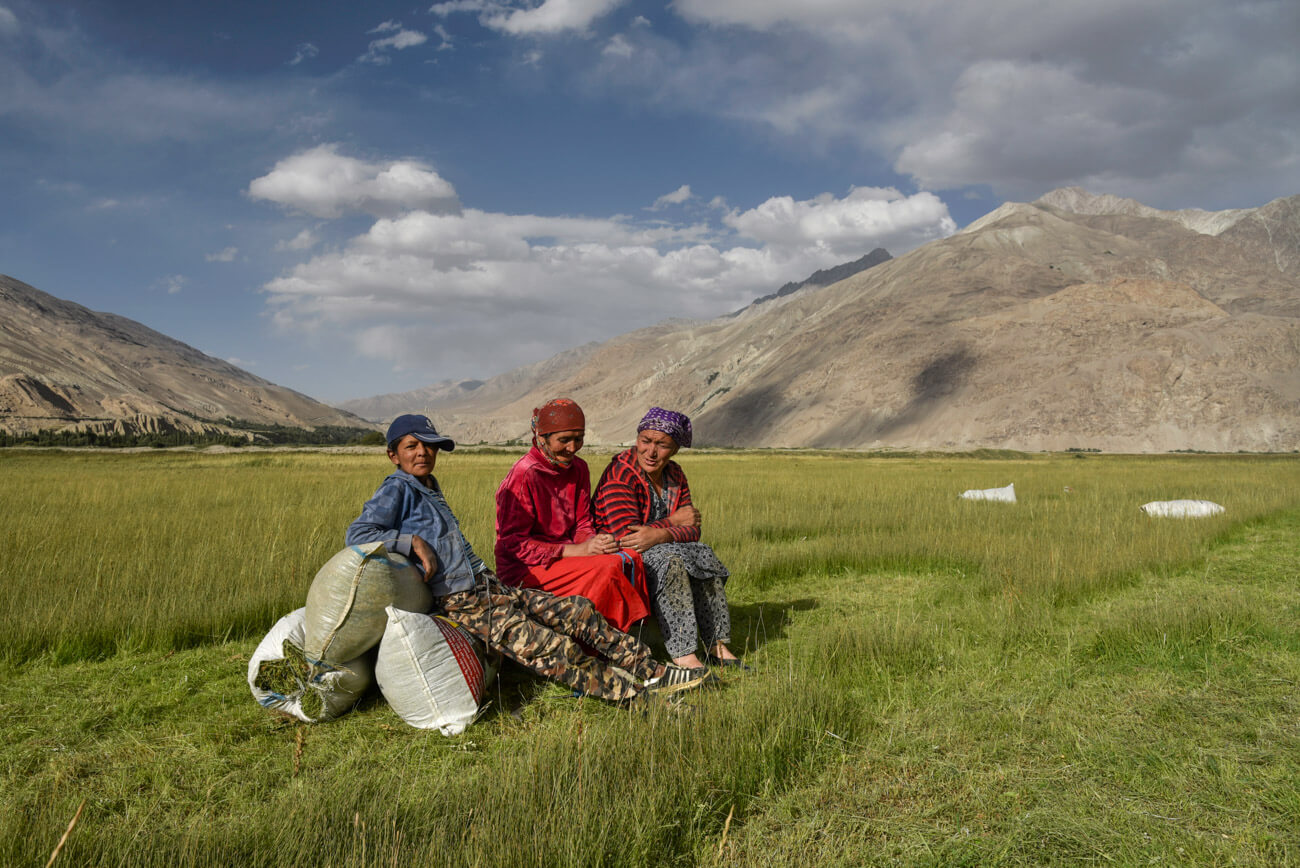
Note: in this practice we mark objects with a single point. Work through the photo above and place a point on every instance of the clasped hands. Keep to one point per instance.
(640, 537)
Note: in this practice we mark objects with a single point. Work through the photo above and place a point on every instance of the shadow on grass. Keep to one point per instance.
(752, 627)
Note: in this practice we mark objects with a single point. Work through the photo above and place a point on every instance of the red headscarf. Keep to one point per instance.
(558, 414)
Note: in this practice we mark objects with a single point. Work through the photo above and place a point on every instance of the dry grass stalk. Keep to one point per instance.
(298, 739)
(66, 833)
(726, 827)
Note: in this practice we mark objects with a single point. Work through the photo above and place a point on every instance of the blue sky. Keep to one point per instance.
(353, 199)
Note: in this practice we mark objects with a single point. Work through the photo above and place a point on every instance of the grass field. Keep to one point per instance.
(1061, 680)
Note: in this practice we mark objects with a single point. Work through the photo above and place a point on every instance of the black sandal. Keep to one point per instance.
(728, 663)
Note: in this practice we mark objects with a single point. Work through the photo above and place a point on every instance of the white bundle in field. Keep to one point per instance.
(431, 671)
(281, 681)
(1181, 508)
(347, 598)
(1006, 494)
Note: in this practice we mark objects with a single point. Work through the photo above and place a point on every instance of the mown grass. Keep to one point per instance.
(1056, 681)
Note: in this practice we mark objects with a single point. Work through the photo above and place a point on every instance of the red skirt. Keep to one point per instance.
(615, 584)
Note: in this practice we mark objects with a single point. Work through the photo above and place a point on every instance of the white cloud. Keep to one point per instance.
(432, 290)
(78, 96)
(549, 18)
(839, 226)
(453, 6)
(304, 240)
(172, 283)
(676, 197)
(618, 46)
(377, 51)
(8, 21)
(226, 255)
(305, 51)
(1189, 104)
(323, 183)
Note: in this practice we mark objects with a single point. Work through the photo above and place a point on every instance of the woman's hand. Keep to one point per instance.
(424, 554)
(641, 537)
(600, 544)
(685, 516)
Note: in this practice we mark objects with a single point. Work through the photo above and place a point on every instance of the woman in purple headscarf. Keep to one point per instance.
(643, 500)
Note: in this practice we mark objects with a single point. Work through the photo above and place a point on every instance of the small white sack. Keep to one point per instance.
(431, 671)
(337, 690)
(1182, 508)
(1006, 494)
(347, 598)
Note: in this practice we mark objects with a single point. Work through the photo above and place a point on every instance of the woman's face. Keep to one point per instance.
(653, 449)
(563, 445)
(414, 456)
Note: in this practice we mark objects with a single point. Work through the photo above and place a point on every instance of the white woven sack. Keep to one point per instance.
(347, 598)
(1006, 494)
(338, 690)
(431, 671)
(1181, 508)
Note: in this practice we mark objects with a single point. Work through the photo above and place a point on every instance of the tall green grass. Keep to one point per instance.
(939, 682)
(145, 551)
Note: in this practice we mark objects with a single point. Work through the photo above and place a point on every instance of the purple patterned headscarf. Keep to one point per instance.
(675, 425)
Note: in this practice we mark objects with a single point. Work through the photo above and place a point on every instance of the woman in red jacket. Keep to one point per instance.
(643, 500)
(545, 535)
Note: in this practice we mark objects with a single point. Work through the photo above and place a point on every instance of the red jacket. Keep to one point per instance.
(540, 510)
(623, 497)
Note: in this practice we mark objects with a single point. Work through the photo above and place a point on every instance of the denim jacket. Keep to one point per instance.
(402, 508)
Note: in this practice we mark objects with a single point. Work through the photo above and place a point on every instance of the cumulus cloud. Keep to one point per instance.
(549, 18)
(8, 21)
(676, 197)
(226, 255)
(324, 183)
(1188, 106)
(898, 222)
(432, 290)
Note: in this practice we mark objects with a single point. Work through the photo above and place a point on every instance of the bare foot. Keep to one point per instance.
(722, 652)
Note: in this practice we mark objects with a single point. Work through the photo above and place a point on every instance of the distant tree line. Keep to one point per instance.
(247, 434)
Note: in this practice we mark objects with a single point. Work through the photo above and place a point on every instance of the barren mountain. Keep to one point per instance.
(1074, 321)
(64, 367)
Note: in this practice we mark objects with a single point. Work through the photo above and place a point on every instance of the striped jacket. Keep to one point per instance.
(622, 498)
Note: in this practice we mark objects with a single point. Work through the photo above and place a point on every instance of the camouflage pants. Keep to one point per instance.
(538, 629)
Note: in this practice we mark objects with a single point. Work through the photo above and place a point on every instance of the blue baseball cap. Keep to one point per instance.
(423, 430)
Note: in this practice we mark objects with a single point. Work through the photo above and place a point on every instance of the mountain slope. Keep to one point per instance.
(63, 366)
(1075, 321)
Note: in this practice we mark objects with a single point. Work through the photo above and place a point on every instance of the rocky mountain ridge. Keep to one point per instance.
(1076, 321)
(64, 367)
(826, 276)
